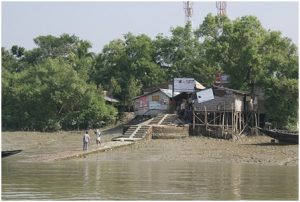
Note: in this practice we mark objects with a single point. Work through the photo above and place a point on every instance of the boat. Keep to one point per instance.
(281, 136)
(9, 153)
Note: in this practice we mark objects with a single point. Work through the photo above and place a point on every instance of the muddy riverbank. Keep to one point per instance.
(253, 150)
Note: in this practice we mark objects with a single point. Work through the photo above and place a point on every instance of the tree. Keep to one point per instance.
(9, 62)
(50, 96)
(126, 66)
(252, 56)
(17, 51)
(282, 102)
(182, 55)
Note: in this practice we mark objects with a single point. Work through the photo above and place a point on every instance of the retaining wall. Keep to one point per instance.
(169, 132)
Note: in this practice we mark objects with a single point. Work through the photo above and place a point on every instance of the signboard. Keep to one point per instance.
(154, 105)
(184, 84)
(222, 78)
(205, 95)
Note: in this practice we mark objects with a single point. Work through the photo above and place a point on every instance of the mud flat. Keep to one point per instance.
(39, 146)
(253, 150)
(48, 146)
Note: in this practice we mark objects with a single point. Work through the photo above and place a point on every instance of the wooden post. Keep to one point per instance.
(243, 123)
(235, 122)
(205, 118)
(255, 119)
(223, 122)
(258, 119)
(232, 119)
(240, 117)
(173, 87)
(222, 129)
(194, 119)
(214, 118)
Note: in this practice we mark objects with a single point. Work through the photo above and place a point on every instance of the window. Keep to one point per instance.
(155, 97)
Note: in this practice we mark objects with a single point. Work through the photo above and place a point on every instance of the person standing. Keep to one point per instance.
(86, 140)
(98, 137)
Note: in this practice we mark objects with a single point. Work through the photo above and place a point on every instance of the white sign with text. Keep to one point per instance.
(205, 95)
(184, 84)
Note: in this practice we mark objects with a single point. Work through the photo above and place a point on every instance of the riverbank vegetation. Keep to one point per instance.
(59, 84)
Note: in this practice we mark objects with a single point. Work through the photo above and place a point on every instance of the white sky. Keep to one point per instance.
(101, 22)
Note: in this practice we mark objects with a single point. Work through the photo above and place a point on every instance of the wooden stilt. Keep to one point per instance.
(205, 118)
(240, 117)
(232, 119)
(214, 118)
(258, 124)
(194, 119)
(255, 119)
(223, 122)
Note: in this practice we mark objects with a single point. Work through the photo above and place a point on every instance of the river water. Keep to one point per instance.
(146, 180)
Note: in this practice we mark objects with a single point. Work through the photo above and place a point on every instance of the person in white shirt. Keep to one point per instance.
(98, 137)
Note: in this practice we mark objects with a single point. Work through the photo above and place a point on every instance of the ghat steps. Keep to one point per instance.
(138, 132)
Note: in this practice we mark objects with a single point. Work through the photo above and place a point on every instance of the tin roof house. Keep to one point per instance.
(155, 102)
(162, 100)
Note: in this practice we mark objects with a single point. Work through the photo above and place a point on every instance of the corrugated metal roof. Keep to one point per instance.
(110, 99)
(168, 92)
(232, 90)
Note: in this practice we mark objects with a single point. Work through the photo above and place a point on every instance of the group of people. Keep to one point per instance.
(87, 139)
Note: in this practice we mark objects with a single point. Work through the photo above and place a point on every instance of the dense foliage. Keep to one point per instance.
(59, 84)
(253, 56)
(49, 88)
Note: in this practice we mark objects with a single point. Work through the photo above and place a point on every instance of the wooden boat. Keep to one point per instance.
(281, 136)
(9, 153)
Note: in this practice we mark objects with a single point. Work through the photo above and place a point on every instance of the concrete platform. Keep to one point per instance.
(79, 153)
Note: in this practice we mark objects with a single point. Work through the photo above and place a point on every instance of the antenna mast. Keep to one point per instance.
(188, 10)
(221, 6)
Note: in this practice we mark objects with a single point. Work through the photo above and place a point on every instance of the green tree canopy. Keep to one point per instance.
(59, 83)
(252, 56)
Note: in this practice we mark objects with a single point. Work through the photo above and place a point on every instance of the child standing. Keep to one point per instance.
(98, 137)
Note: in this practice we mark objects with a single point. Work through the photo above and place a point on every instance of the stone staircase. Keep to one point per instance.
(164, 119)
(134, 132)
(157, 119)
(138, 132)
(130, 131)
(169, 119)
(142, 131)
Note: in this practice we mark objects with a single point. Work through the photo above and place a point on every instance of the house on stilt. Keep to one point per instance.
(227, 114)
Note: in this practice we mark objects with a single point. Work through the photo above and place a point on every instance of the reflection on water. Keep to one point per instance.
(131, 180)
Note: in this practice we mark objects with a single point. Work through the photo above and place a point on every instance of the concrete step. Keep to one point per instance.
(130, 131)
(156, 119)
(169, 119)
(141, 133)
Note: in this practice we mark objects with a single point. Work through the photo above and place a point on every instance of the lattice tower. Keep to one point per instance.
(188, 10)
(221, 6)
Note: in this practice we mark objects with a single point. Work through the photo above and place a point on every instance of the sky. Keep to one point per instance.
(101, 22)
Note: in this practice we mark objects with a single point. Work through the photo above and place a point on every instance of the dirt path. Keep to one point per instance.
(39, 146)
(254, 150)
